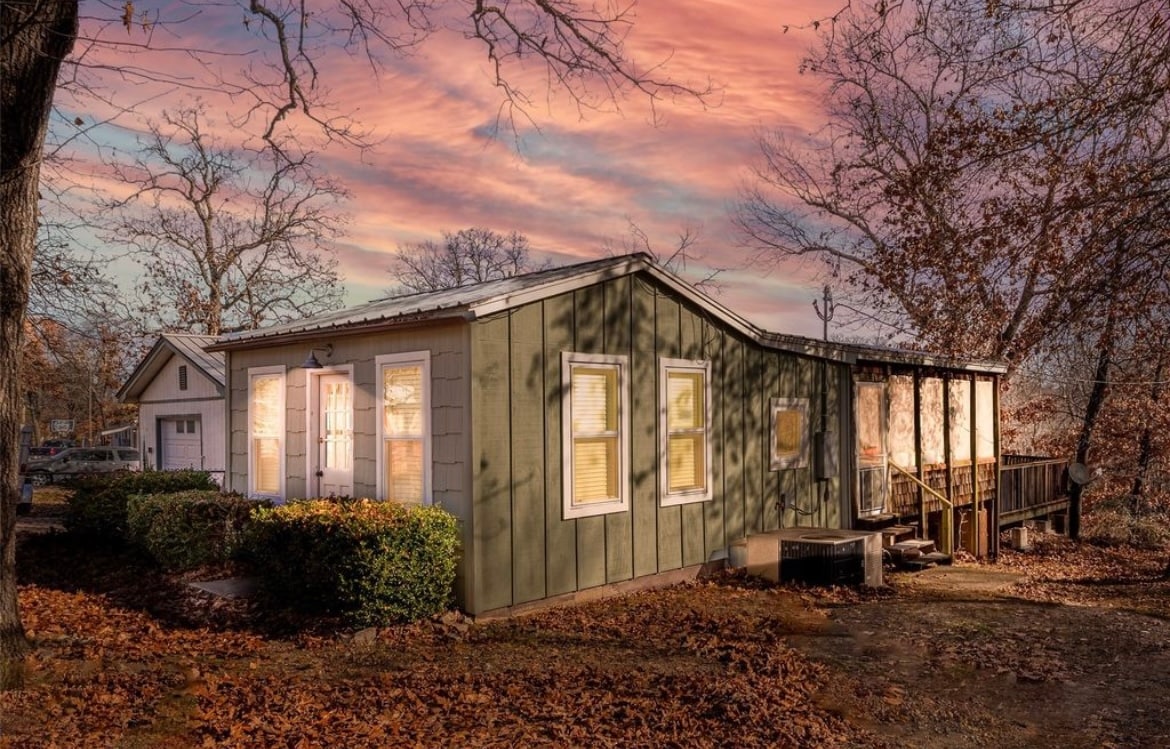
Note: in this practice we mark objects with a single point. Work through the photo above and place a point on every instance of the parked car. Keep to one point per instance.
(80, 461)
(49, 448)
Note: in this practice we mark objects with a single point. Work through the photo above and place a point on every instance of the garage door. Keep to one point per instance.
(182, 444)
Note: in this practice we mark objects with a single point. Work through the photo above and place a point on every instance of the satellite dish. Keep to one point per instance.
(1079, 473)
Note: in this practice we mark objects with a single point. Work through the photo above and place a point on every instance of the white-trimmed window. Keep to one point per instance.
(404, 427)
(790, 433)
(595, 433)
(266, 431)
(684, 414)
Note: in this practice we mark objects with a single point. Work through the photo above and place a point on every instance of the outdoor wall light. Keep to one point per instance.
(311, 362)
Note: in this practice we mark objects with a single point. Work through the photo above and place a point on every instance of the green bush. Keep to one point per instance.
(98, 505)
(183, 530)
(373, 562)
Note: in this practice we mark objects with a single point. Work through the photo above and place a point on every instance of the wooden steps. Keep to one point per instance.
(916, 553)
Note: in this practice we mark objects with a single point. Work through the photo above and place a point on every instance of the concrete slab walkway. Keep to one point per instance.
(228, 587)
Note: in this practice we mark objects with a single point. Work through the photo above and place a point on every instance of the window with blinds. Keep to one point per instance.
(266, 431)
(404, 427)
(595, 434)
(685, 418)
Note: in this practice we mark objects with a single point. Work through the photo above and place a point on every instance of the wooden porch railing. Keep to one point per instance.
(947, 518)
(1030, 486)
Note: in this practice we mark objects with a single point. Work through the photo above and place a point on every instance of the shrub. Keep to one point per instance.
(373, 562)
(1115, 525)
(183, 530)
(98, 505)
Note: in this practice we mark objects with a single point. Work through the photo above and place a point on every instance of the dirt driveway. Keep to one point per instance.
(1025, 654)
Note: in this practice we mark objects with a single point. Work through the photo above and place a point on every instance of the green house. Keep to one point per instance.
(604, 424)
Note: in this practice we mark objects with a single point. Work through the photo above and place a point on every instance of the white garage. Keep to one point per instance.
(181, 443)
(179, 389)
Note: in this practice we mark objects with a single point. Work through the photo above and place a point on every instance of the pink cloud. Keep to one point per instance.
(573, 182)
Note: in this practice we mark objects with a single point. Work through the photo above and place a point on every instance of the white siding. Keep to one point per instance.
(449, 395)
(162, 399)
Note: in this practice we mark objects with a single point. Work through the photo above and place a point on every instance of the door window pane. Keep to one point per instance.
(337, 424)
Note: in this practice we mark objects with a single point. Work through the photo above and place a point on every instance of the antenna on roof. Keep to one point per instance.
(830, 309)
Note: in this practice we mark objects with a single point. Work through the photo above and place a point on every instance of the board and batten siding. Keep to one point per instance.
(162, 399)
(522, 547)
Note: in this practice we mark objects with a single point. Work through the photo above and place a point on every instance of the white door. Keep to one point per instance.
(334, 435)
(181, 443)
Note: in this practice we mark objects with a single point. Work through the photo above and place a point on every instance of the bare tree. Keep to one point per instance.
(66, 283)
(991, 176)
(681, 258)
(977, 163)
(226, 239)
(464, 257)
(581, 48)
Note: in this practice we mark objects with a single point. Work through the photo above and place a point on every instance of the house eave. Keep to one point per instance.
(345, 328)
(153, 362)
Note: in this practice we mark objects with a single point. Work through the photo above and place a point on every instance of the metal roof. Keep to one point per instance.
(480, 300)
(189, 346)
(464, 302)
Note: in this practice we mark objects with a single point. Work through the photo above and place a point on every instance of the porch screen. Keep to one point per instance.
(403, 433)
(961, 421)
(902, 421)
(594, 434)
(984, 419)
(870, 432)
(684, 385)
(266, 431)
(931, 398)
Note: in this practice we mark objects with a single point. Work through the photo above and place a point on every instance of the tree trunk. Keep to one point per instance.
(34, 39)
(1092, 410)
(1146, 443)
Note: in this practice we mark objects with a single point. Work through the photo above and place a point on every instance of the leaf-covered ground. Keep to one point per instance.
(1063, 647)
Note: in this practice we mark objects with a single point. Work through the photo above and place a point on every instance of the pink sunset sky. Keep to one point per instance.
(573, 183)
